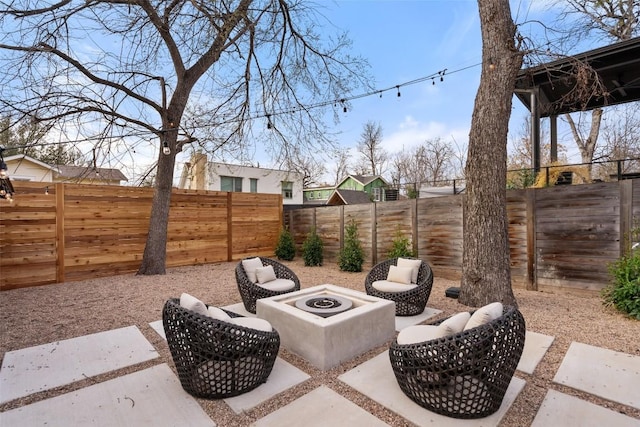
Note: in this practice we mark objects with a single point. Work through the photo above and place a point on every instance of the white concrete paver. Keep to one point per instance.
(605, 373)
(321, 407)
(283, 377)
(375, 378)
(47, 366)
(559, 409)
(535, 347)
(404, 321)
(152, 397)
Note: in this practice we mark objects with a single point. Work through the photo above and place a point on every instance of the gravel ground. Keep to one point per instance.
(44, 314)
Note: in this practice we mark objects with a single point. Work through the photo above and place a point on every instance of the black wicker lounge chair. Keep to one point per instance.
(410, 302)
(251, 292)
(217, 359)
(465, 375)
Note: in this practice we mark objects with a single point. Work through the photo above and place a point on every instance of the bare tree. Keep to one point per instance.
(128, 69)
(341, 158)
(613, 20)
(429, 162)
(620, 142)
(309, 166)
(374, 157)
(486, 271)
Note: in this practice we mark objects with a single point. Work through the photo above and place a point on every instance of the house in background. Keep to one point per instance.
(21, 167)
(353, 189)
(200, 174)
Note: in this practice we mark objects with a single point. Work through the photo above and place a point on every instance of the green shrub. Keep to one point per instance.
(624, 291)
(400, 247)
(351, 256)
(312, 249)
(286, 248)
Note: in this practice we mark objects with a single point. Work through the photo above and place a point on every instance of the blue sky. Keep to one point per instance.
(410, 39)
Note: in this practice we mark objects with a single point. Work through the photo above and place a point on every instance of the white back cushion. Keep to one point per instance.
(192, 303)
(218, 313)
(250, 265)
(253, 323)
(414, 264)
(419, 333)
(484, 315)
(455, 323)
(265, 274)
(399, 274)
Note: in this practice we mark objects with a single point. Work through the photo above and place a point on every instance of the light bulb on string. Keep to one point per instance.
(398, 87)
(165, 149)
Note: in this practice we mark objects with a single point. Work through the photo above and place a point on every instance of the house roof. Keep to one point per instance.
(348, 197)
(617, 66)
(363, 179)
(24, 157)
(83, 172)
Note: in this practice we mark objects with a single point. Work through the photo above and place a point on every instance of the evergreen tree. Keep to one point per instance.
(286, 249)
(312, 249)
(351, 255)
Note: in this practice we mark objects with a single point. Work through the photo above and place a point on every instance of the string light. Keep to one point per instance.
(269, 124)
(398, 87)
(165, 148)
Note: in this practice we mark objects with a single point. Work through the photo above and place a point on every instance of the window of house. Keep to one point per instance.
(377, 194)
(230, 183)
(253, 185)
(310, 195)
(287, 190)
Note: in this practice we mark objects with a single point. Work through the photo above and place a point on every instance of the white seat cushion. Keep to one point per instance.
(419, 333)
(399, 274)
(279, 285)
(265, 274)
(250, 265)
(218, 313)
(414, 264)
(387, 286)
(192, 303)
(485, 315)
(455, 323)
(252, 323)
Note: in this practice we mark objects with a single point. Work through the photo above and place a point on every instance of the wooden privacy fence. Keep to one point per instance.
(561, 238)
(77, 232)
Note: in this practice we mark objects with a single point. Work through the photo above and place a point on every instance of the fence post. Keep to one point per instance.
(229, 226)
(414, 226)
(626, 215)
(532, 279)
(60, 267)
(374, 234)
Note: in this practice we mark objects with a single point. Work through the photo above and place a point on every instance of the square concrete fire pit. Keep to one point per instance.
(328, 341)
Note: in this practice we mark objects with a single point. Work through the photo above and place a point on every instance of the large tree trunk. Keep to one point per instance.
(486, 274)
(155, 251)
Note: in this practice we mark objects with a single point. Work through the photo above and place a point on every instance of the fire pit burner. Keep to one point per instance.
(324, 306)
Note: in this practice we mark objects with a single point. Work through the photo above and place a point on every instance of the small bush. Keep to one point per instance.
(312, 249)
(351, 256)
(624, 291)
(400, 247)
(286, 248)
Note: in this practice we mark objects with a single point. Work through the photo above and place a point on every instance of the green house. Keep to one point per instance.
(353, 189)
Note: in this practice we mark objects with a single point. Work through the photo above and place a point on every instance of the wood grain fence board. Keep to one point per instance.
(328, 228)
(392, 218)
(440, 231)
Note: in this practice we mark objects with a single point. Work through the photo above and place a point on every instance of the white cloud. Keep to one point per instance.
(411, 132)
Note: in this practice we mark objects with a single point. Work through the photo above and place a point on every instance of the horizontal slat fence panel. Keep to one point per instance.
(440, 234)
(575, 225)
(365, 221)
(560, 238)
(28, 237)
(77, 232)
(328, 228)
(393, 219)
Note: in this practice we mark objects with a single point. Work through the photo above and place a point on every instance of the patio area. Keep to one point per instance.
(94, 352)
